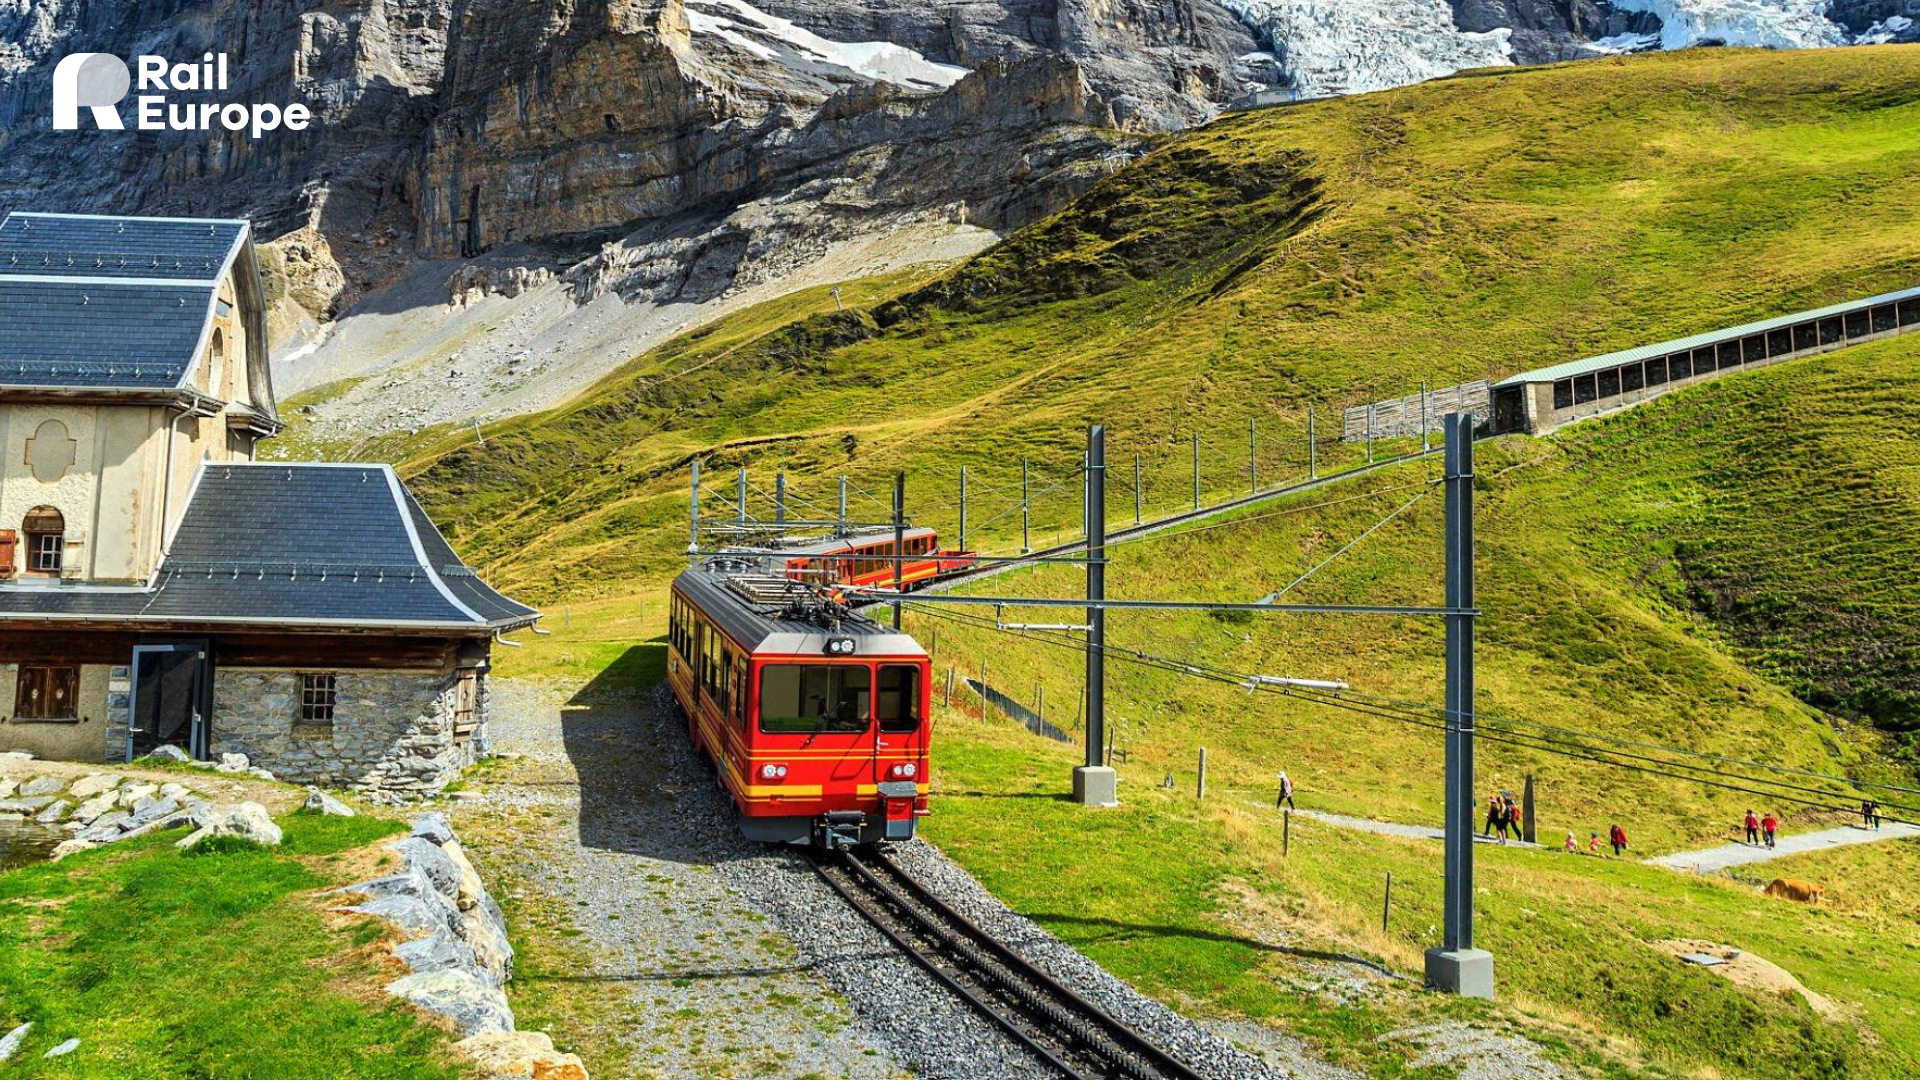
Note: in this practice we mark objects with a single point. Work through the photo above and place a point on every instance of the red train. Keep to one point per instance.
(867, 559)
(815, 718)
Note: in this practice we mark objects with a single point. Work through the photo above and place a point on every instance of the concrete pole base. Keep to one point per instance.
(1466, 972)
(1096, 785)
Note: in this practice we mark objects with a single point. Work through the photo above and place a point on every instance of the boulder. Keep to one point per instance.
(172, 753)
(408, 900)
(472, 890)
(63, 1049)
(133, 793)
(433, 827)
(91, 809)
(64, 848)
(151, 810)
(486, 935)
(521, 1053)
(437, 953)
(261, 774)
(247, 820)
(54, 813)
(319, 802)
(33, 804)
(177, 792)
(88, 786)
(43, 785)
(105, 827)
(432, 862)
(8, 787)
(10, 1045)
(474, 1007)
(232, 763)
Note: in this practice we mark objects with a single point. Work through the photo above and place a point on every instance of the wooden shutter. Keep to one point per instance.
(8, 540)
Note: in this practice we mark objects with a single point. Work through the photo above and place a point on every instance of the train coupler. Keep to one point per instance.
(842, 829)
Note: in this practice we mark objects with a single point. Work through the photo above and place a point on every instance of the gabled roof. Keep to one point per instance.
(769, 628)
(116, 303)
(294, 545)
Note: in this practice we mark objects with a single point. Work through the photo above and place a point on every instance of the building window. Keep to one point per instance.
(317, 698)
(46, 533)
(47, 693)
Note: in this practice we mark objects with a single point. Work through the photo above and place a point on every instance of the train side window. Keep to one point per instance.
(897, 701)
(811, 699)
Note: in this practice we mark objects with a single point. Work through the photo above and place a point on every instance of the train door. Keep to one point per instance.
(900, 742)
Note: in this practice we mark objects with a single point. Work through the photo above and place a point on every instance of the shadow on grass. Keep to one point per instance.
(1126, 929)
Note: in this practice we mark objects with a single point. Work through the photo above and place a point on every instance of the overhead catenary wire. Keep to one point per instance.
(1768, 789)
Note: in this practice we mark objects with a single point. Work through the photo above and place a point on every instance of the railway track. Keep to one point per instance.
(1061, 1028)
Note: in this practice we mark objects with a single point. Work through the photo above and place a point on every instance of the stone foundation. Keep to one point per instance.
(392, 731)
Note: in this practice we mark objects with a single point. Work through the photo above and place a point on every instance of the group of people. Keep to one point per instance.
(1502, 815)
(1616, 838)
(1759, 828)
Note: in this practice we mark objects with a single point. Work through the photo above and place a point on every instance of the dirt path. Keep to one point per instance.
(1394, 828)
(1726, 856)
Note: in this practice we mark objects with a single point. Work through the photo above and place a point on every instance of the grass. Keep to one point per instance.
(169, 965)
(1195, 903)
(1726, 570)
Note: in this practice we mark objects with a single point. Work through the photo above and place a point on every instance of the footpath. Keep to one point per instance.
(1715, 859)
(1704, 861)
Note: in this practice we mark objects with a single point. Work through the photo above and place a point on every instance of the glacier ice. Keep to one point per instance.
(1352, 46)
(770, 37)
(1775, 24)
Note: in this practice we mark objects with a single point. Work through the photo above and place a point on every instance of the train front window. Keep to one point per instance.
(812, 699)
(898, 702)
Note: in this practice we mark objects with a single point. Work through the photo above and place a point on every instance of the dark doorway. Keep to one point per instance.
(172, 698)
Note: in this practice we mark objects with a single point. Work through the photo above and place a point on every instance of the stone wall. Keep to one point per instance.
(392, 731)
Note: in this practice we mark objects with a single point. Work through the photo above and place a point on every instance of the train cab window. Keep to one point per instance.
(811, 699)
(897, 702)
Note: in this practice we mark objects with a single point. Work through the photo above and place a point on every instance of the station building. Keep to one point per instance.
(1539, 401)
(158, 585)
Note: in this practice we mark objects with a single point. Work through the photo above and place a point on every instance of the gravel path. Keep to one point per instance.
(602, 816)
(1714, 859)
(1394, 828)
(735, 959)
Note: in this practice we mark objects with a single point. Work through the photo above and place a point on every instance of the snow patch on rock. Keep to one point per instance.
(1333, 47)
(1772, 24)
(769, 37)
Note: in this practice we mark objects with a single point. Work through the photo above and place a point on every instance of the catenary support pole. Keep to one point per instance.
(1425, 442)
(1369, 427)
(780, 499)
(899, 537)
(963, 508)
(693, 517)
(1026, 512)
(740, 500)
(1253, 457)
(1136, 488)
(842, 520)
(1313, 448)
(1456, 966)
(1196, 470)
(1094, 784)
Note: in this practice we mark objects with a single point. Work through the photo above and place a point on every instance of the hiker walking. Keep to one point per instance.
(1573, 848)
(1753, 827)
(1870, 815)
(1286, 791)
(1619, 841)
(1593, 843)
(1770, 825)
(1496, 816)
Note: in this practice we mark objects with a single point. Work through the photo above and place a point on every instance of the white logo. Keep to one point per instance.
(95, 80)
(100, 81)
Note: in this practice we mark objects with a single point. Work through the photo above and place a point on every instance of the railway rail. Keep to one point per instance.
(1060, 1027)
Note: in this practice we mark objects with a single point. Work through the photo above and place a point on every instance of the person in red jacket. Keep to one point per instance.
(1753, 827)
(1619, 840)
(1770, 826)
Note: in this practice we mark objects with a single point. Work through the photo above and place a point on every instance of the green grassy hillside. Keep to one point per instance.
(1726, 570)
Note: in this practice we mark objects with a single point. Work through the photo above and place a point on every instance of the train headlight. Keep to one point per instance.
(841, 646)
(773, 772)
(905, 772)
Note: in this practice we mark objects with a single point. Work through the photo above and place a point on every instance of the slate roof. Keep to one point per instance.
(105, 302)
(1712, 337)
(294, 545)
